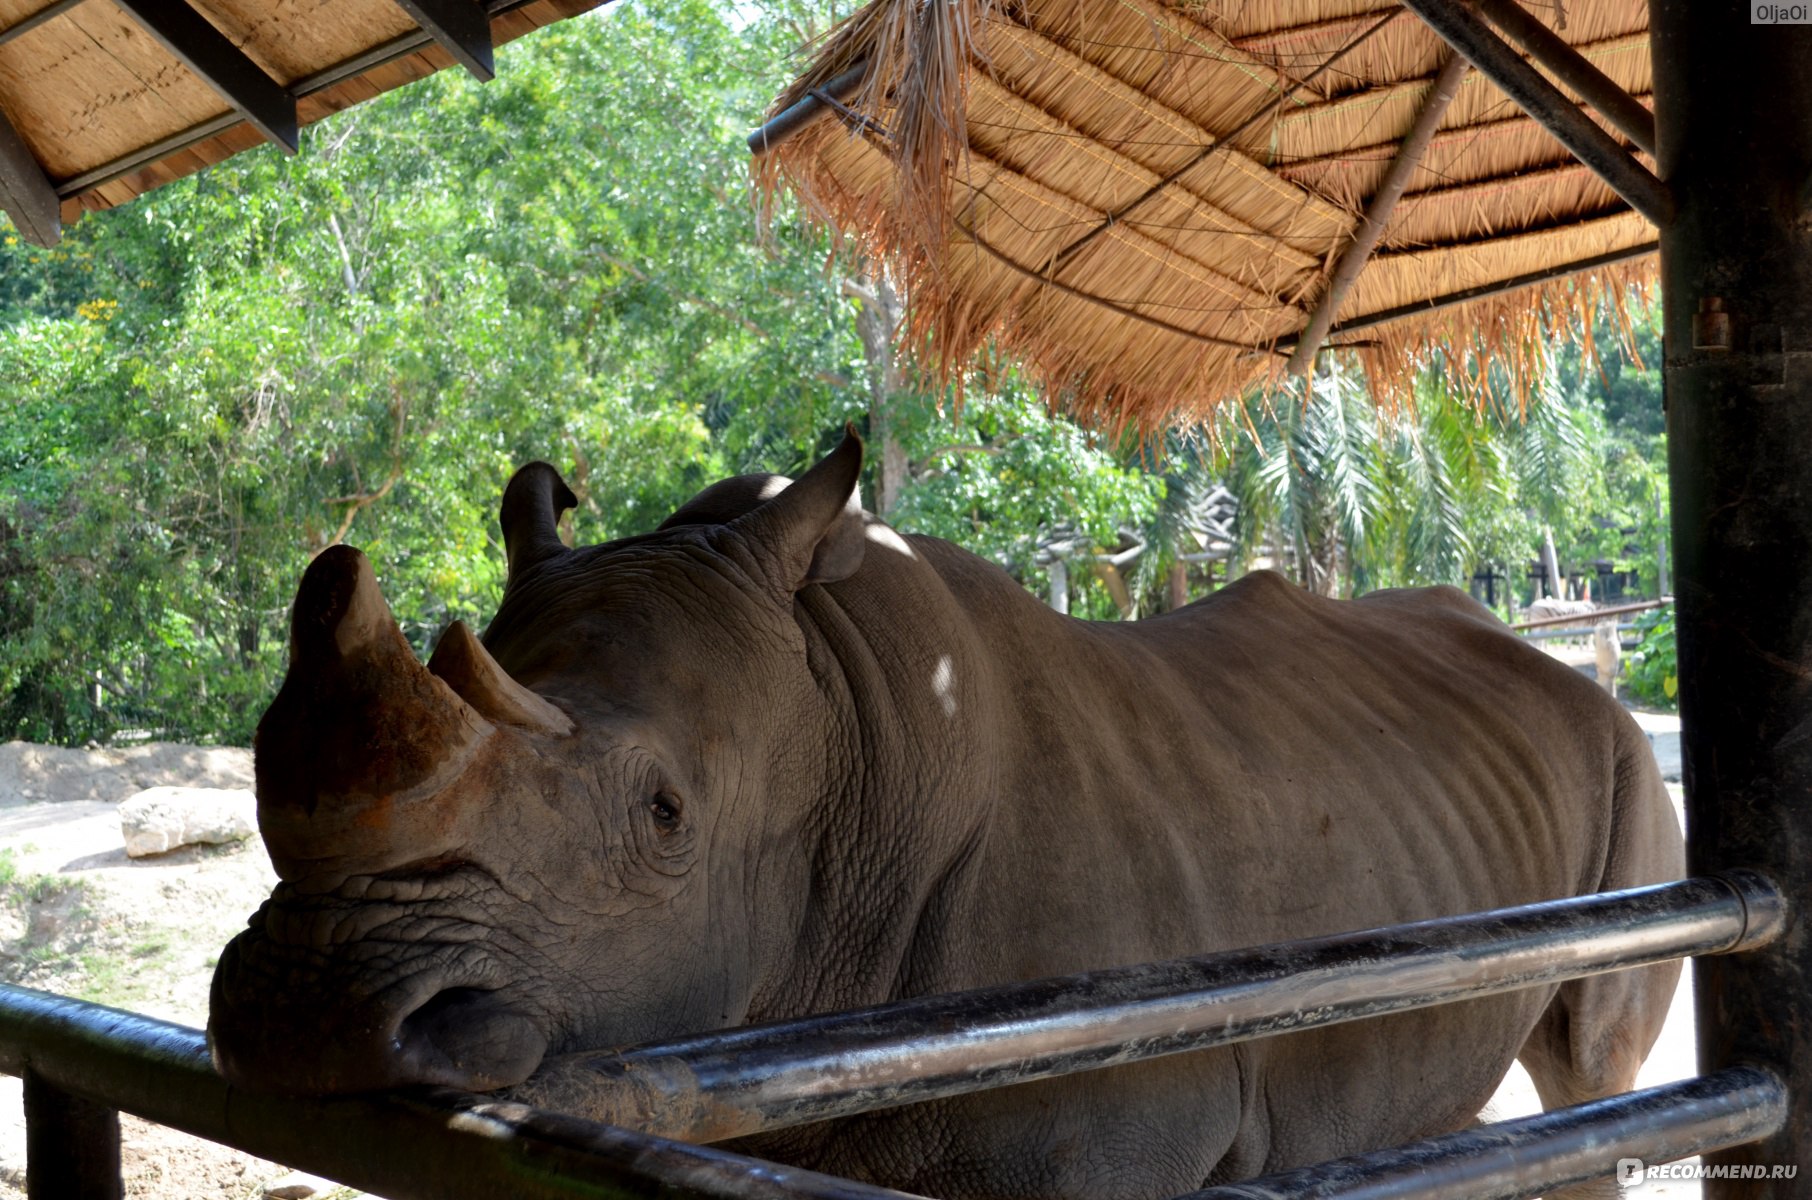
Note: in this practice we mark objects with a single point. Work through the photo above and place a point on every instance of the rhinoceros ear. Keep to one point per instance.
(532, 504)
(812, 531)
(475, 677)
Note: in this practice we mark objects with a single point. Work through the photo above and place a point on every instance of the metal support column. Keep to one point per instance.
(72, 1145)
(1734, 115)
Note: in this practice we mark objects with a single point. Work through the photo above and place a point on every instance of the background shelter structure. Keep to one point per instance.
(101, 100)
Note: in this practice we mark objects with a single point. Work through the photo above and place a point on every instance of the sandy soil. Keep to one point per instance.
(80, 918)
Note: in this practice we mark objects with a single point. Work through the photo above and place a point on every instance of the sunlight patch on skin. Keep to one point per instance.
(883, 536)
(775, 485)
(943, 682)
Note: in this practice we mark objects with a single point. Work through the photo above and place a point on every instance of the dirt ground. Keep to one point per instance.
(78, 917)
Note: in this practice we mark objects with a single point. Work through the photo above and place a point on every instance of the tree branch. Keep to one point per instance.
(709, 305)
(359, 501)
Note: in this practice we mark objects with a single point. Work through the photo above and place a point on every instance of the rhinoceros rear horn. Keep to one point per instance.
(468, 668)
(532, 504)
(357, 717)
(812, 531)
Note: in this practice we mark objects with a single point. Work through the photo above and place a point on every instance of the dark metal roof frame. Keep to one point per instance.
(25, 193)
(1599, 90)
(461, 27)
(223, 66)
(1499, 62)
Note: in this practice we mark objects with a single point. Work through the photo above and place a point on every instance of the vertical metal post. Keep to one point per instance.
(72, 1145)
(1734, 112)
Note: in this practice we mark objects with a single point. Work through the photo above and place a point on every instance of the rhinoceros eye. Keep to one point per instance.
(665, 807)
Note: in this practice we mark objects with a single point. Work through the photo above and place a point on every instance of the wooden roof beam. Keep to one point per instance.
(221, 65)
(48, 13)
(1377, 213)
(25, 193)
(461, 27)
(1573, 69)
(1462, 29)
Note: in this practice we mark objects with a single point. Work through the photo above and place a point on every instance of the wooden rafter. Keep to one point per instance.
(1371, 227)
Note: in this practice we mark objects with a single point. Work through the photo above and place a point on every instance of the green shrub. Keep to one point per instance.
(1653, 668)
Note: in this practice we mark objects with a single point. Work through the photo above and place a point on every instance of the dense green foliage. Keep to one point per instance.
(206, 387)
(360, 343)
(1364, 499)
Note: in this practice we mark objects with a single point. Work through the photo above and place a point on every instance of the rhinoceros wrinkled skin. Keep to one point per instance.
(775, 759)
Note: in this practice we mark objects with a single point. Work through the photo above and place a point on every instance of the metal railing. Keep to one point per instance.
(82, 1063)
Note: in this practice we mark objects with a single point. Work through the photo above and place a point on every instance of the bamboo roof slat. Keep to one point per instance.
(1041, 173)
(1237, 20)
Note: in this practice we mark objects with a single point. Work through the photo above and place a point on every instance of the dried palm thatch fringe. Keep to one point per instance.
(1511, 335)
(1135, 197)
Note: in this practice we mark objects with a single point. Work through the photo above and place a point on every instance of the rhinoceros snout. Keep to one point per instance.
(267, 1040)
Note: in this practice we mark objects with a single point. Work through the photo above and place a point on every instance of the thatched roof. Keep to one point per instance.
(1145, 199)
(102, 100)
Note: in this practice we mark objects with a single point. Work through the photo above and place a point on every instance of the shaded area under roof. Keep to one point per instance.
(1148, 201)
(101, 100)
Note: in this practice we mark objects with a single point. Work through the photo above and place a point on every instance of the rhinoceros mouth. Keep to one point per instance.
(325, 994)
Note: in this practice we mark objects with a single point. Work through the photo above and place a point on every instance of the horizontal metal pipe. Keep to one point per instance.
(424, 1145)
(1577, 633)
(1467, 33)
(1533, 1156)
(720, 1085)
(801, 113)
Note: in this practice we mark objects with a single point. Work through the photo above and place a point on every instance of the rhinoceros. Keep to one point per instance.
(775, 759)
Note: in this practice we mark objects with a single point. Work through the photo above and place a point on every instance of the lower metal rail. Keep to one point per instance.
(83, 1062)
(1532, 1156)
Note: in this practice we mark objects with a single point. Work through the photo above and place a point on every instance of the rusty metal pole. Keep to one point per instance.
(1734, 115)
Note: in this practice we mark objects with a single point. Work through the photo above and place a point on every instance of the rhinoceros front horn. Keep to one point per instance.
(530, 515)
(361, 734)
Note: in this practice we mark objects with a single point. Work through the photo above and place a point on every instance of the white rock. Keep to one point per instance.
(297, 1185)
(162, 818)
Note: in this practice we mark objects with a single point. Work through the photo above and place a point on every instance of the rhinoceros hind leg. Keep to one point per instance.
(1591, 1041)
